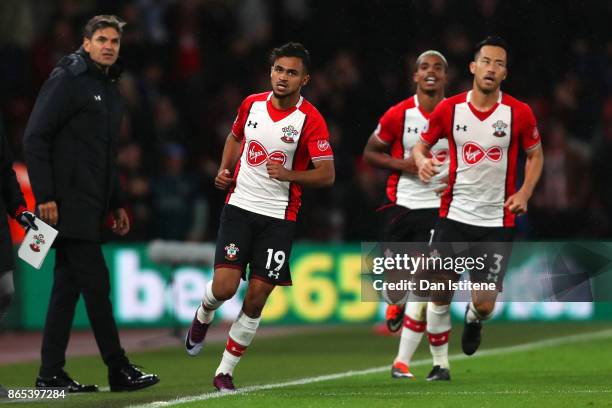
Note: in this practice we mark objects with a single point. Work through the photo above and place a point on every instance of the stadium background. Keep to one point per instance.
(188, 64)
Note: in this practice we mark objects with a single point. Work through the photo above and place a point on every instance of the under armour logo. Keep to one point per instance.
(97, 97)
(272, 274)
(459, 127)
(252, 124)
(409, 129)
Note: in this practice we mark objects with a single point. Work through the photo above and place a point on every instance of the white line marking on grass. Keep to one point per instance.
(468, 393)
(329, 377)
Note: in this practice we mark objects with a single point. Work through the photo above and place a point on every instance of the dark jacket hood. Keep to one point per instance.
(79, 62)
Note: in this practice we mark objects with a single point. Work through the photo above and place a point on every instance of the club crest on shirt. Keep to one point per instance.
(38, 241)
(231, 252)
(289, 134)
(500, 128)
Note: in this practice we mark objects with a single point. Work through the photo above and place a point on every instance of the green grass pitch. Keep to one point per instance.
(519, 365)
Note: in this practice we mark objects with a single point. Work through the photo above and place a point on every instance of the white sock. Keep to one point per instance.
(473, 315)
(412, 332)
(209, 304)
(240, 337)
(438, 331)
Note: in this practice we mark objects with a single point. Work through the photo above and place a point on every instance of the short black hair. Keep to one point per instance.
(103, 21)
(494, 41)
(292, 49)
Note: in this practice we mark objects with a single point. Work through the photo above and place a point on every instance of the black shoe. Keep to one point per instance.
(439, 374)
(130, 378)
(470, 339)
(3, 392)
(63, 380)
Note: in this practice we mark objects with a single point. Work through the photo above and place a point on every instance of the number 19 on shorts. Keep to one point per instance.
(278, 257)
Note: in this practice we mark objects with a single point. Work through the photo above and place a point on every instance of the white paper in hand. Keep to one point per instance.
(36, 244)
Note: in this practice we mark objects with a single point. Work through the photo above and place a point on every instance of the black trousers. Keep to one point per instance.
(79, 269)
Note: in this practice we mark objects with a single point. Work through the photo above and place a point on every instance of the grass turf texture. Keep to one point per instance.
(568, 374)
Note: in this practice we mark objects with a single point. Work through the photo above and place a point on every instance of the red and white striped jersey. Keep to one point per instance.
(400, 127)
(293, 137)
(483, 149)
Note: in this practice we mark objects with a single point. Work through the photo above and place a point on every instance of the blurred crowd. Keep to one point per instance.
(189, 63)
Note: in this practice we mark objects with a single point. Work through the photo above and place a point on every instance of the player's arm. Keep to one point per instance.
(323, 174)
(231, 155)
(531, 143)
(517, 202)
(376, 153)
(426, 167)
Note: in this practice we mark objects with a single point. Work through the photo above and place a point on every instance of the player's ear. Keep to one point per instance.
(86, 44)
(414, 77)
(473, 67)
(306, 79)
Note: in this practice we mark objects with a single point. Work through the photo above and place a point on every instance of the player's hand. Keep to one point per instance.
(26, 220)
(277, 171)
(224, 179)
(48, 212)
(406, 166)
(517, 203)
(121, 222)
(428, 168)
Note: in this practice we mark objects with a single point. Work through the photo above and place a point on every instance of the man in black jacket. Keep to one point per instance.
(70, 146)
(13, 204)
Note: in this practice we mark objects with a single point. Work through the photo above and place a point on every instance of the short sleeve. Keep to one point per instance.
(437, 125)
(317, 138)
(529, 134)
(389, 126)
(241, 117)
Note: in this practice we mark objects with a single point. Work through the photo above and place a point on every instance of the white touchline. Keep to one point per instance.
(309, 380)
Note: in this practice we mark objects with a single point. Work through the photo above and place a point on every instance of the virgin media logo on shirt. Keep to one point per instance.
(473, 153)
(440, 155)
(257, 154)
(323, 145)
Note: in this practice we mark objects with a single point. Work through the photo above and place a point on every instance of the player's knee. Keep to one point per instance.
(223, 291)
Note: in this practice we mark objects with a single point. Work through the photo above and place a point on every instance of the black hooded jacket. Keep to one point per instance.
(70, 145)
(11, 201)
